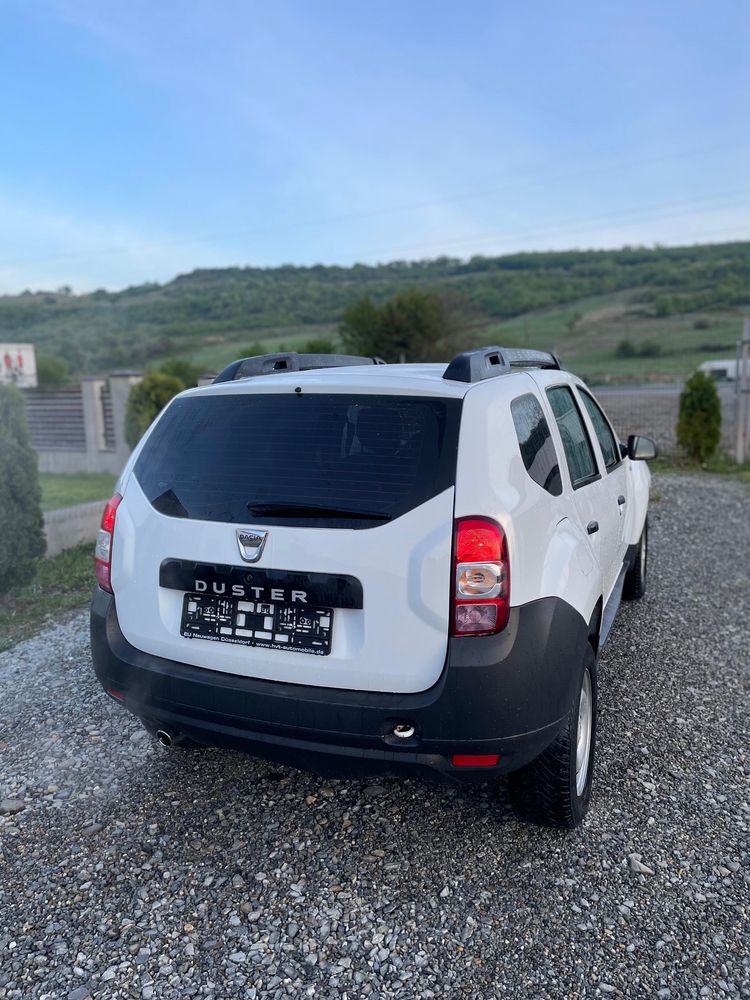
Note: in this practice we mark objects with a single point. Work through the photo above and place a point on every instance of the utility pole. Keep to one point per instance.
(742, 400)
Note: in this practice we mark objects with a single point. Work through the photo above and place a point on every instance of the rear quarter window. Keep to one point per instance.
(357, 460)
(536, 444)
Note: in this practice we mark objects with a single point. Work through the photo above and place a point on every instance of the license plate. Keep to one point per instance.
(257, 623)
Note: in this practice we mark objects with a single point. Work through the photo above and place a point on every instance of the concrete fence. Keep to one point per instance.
(69, 526)
(81, 428)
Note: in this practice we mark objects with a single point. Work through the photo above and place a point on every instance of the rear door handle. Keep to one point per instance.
(621, 500)
(592, 527)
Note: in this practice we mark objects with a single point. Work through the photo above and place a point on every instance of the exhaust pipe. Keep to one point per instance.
(403, 730)
(166, 737)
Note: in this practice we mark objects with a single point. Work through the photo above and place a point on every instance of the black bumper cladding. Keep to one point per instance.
(507, 694)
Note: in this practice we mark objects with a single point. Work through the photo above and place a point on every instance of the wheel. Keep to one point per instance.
(634, 586)
(555, 789)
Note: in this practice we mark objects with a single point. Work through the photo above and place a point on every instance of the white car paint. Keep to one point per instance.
(398, 641)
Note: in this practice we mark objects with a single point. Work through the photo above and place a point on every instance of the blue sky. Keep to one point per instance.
(144, 139)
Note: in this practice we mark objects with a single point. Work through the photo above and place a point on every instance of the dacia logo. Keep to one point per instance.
(251, 543)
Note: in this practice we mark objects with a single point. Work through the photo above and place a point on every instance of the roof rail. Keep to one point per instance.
(487, 362)
(289, 361)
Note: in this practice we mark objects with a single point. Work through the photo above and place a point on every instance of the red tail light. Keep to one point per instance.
(103, 550)
(481, 578)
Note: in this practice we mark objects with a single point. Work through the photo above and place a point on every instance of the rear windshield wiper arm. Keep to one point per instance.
(310, 510)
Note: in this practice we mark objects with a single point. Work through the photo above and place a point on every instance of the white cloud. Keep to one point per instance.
(42, 247)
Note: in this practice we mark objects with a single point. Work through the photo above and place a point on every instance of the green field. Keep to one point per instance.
(214, 352)
(67, 490)
(587, 334)
(688, 300)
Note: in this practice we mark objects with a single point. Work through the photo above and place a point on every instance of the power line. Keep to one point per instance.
(510, 185)
(574, 225)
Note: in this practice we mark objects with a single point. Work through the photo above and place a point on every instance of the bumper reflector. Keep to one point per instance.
(475, 759)
(117, 695)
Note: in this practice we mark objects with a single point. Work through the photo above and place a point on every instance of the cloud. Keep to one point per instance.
(43, 247)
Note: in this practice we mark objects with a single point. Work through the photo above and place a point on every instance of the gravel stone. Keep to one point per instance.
(215, 876)
(636, 865)
(9, 807)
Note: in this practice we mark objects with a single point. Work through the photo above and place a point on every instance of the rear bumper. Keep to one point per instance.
(507, 694)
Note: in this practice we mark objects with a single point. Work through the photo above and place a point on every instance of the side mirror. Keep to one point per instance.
(641, 449)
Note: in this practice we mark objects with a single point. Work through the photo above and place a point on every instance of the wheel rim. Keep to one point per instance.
(583, 741)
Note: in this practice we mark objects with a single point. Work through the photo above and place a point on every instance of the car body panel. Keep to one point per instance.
(397, 643)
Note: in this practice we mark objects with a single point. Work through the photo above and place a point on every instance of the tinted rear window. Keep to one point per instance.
(536, 444)
(220, 458)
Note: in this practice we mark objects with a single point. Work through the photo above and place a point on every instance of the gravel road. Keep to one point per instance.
(130, 871)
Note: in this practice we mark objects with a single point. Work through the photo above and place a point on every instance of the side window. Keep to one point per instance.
(609, 446)
(575, 439)
(536, 444)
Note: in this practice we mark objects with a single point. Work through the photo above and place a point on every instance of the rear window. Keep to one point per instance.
(329, 460)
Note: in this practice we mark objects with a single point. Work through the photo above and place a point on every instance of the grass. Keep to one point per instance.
(81, 487)
(586, 333)
(719, 465)
(61, 585)
(215, 352)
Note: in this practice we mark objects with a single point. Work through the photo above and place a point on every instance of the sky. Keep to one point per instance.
(141, 140)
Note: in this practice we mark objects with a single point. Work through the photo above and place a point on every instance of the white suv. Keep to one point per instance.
(354, 567)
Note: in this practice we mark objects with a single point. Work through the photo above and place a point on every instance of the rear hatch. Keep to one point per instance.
(293, 533)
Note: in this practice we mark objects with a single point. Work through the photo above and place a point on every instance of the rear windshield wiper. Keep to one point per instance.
(310, 510)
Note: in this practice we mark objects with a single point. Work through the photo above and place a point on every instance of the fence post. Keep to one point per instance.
(743, 394)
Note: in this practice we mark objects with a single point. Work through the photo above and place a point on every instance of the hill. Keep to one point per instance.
(685, 300)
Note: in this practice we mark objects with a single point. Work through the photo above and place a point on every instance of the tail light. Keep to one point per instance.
(103, 550)
(481, 578)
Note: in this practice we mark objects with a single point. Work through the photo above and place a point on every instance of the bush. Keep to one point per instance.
(318, 345)
(699, 420)
(51, 370)
(626, 349)
(649, 349)
(254, 350)
(181, 369)
(22, 535)
(146, 401)
(646, 349)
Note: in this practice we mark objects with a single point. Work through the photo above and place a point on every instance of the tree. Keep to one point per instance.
(362, 330)
(146, 401)
(51, 370)
(414, 325)
(181, 369)
(319, 345)
(699, 418)
(253, 350)
(649, 349)
(626, 349)
(22, 538)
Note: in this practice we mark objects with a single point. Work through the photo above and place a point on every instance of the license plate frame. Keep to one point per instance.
(264, 624)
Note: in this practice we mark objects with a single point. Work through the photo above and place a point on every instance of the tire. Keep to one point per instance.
(555, 789)
(634, 586)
